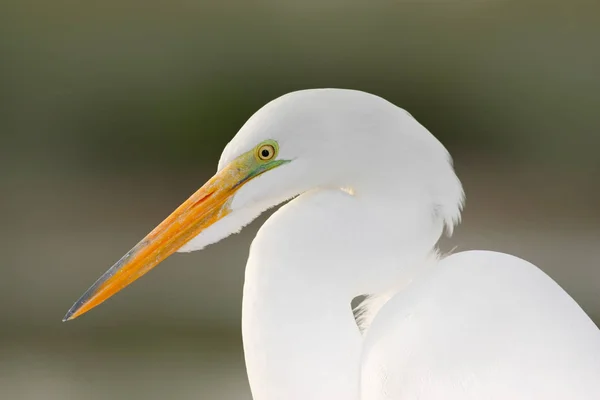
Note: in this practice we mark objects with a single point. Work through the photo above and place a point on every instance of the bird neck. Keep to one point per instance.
(306, 264)
(300, 341)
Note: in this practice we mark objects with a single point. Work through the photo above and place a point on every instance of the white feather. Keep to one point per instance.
(474, 325)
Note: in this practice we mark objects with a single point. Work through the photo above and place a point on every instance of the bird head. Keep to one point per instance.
(324, 138)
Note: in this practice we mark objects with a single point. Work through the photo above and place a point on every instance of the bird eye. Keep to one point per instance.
(266, 152)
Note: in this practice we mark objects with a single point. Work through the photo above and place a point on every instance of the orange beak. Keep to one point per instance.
(205, 207)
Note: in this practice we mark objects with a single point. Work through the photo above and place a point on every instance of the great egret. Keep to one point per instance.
(374, 192)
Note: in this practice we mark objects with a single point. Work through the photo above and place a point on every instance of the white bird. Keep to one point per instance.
(373, 192)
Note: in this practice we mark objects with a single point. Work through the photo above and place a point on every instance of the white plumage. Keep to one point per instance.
(374, 191)
(474, 325)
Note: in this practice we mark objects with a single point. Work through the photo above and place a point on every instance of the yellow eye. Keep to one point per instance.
(266, 152)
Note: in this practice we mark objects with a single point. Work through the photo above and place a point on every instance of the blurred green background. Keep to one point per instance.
(113, 112)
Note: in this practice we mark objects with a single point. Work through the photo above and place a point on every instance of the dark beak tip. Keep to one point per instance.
(67, 316)
(70, 314)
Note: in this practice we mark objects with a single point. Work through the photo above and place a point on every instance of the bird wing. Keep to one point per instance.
(481, 325)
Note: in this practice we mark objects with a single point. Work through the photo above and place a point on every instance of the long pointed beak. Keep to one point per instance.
(205, 207)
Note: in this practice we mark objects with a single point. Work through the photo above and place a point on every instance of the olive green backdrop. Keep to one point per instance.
(113, 112)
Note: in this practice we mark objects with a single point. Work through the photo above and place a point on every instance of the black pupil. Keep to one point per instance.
(265, 153)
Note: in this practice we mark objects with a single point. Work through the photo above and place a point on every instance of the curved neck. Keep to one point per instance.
(307, 263)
